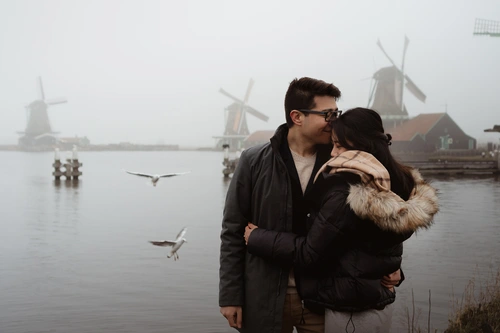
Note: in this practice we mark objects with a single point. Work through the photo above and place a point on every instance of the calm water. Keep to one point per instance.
(74, 257)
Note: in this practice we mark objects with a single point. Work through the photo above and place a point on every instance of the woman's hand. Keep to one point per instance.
(248, 230)
(391, 280)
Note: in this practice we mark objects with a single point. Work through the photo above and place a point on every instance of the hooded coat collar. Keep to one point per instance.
(390, 212)
(372, 198)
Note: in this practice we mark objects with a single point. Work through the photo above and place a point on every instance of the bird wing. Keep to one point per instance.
(173, 174)
(163, 243)
(139, 174)
(181, 233)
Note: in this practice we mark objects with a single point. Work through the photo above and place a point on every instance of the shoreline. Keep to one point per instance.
(107, 147)
(427, 163)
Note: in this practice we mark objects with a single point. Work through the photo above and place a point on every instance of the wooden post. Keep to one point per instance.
(227, 170)
(498, 158)
(68, 168)
(75, 164)
(57, 165)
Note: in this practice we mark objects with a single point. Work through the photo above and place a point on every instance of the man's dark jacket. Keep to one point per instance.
(260, 192)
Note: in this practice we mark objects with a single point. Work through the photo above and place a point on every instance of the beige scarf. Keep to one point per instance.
(371, 171)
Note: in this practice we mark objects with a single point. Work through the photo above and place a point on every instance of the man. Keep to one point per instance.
(270, 188)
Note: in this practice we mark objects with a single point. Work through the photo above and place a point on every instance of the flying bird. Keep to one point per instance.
(156, 178)
(176, 245)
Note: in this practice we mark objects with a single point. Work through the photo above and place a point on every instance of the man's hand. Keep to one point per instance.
(233, 315)
(391, 280)
(248, 230)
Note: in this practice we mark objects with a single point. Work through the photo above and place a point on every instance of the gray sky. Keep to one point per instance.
(149, 71)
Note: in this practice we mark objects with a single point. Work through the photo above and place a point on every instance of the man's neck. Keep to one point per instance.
(300, 145)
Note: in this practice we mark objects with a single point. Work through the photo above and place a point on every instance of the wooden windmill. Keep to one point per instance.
(386, 95)
(236, 129)
(486, 28)
(38, 130)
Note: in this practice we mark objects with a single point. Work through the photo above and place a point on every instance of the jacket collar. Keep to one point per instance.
(390, 212)
(279, 139)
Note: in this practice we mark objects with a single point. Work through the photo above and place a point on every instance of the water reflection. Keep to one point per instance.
(225, 182)
(69, 183)
(488, 177)
(65, 214)
(462, 242)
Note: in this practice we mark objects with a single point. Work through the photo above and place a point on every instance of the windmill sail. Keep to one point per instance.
(412, 87)
(256, 113)
(223, 92)
(40, 89)
(238, 115)
(242, 107)
(55, 101)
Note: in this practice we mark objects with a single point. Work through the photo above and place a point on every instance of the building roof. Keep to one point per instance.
(260, 136)
(421, 124)
(72, 139)
(45, 135)
(496, 128)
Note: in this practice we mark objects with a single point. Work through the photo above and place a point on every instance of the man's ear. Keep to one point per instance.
(297, 117)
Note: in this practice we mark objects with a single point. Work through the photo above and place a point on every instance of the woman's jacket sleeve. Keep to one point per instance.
(302, 252)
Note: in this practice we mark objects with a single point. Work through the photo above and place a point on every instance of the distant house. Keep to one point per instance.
(46, 139)
(67, 143)
(257, 138)
(428, 133)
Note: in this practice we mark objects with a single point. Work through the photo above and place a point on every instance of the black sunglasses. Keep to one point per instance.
(329, 114)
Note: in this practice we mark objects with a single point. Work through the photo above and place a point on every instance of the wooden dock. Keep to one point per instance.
(437, 163)
(228, 163)
(456, 167)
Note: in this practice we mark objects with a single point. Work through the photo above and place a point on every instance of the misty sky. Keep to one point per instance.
(149, 71)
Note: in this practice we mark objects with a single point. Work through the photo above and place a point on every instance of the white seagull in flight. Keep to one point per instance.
(176, 245)
(156, 178)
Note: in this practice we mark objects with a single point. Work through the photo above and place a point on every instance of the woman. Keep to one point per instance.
(367, 205)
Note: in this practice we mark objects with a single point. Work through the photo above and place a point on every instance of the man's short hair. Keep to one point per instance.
(301, 93)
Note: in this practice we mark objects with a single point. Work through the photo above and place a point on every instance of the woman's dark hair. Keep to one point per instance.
(362, 129)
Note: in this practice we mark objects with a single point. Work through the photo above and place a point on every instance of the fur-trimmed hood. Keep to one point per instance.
(390, 212)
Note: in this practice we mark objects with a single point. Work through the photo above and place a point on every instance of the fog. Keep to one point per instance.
(150, 71)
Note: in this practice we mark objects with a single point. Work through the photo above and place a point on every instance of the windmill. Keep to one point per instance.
(236, 130)
(386, 93)
(38, 130)
(486, 28)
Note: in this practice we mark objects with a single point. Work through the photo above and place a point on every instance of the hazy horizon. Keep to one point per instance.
(150, 71)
